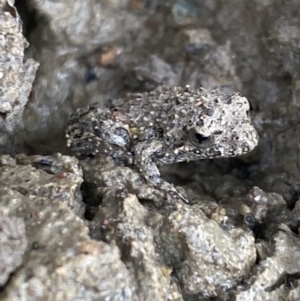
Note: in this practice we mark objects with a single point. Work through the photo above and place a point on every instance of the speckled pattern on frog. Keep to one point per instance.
(165, 126)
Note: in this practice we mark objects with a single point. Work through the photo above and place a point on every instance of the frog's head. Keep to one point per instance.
(218, 126)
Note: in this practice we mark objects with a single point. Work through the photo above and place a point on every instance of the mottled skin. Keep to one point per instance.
(164, 126)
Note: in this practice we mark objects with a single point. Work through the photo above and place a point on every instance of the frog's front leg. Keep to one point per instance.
(145, 159)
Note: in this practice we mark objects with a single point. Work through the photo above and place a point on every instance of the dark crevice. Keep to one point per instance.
(289, 281)
(28, 15)
(90, 199)
(294, 198)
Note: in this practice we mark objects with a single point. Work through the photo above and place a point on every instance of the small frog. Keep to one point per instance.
(166, 126)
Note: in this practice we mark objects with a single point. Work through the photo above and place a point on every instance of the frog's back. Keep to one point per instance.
(190, 124)
(195, 124)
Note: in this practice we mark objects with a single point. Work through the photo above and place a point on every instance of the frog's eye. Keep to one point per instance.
(199, 140)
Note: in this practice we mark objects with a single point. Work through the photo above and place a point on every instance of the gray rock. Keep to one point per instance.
(16, 74)
(13, 244)
(276, 278)
(208, 260)
(61, 261)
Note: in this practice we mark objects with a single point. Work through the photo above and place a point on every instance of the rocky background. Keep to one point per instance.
(89, 230)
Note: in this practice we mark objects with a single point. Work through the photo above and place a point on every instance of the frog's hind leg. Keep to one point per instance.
(88, 145)
(92, 132)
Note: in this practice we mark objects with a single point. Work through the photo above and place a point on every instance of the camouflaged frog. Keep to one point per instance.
(168, 125)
